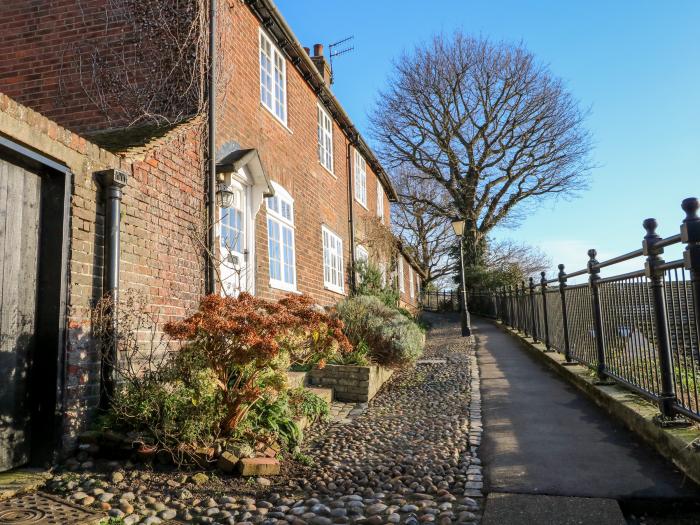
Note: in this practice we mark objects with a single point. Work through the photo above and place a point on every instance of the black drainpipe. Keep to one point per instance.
(351, 220)
(112, 182)
(210, 277)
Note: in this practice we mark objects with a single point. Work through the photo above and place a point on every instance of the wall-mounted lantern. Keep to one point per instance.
(225, 195)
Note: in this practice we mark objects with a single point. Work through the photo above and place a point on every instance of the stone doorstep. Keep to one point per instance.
(324, 393)
(515, 509)
(20, 481)
(635, 412)
(296, 379)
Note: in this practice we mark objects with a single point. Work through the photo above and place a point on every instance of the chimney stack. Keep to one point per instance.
(322, 64)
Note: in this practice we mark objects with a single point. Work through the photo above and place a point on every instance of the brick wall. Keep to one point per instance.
(49, 49)
(162, 203)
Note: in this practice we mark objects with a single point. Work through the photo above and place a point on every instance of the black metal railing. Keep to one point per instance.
(440, 301)
(639, 328)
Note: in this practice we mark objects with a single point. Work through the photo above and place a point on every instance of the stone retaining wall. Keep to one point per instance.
(355, 384)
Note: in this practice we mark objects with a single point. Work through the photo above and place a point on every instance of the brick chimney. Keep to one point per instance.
(322, 64)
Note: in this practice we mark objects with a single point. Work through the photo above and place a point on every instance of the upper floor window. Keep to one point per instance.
(273, 79)
(325, 139)
(333, 277)
(280, 235)
(380, 200)
(360, 179)
(402, 282)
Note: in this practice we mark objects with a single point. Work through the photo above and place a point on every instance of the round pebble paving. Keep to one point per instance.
(409, 457)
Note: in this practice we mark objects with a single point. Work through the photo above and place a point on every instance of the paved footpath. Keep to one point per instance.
(541, 436)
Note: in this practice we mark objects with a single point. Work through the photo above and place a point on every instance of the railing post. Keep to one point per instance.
(523, 310)
(564, 313)
(545, 319)
(509, 299)
(690, 235)
(667, 396)
(594, 277)
(533, 310)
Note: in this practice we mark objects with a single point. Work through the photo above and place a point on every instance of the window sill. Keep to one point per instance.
(364, 205)
(330, 288)
(280, 285)
(327, 170)
(277, 119)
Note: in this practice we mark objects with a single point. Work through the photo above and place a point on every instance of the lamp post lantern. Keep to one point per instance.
(458, 227)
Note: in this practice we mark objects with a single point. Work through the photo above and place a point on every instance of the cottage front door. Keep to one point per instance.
(20, 203)
(234, 243)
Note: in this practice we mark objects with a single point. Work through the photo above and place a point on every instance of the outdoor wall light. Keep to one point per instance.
(225, 195)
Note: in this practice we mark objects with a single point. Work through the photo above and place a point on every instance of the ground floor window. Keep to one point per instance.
(333, 278)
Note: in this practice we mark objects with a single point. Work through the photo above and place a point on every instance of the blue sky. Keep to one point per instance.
(634, 63)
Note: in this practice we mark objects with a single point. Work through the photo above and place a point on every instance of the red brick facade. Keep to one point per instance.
(164, 201)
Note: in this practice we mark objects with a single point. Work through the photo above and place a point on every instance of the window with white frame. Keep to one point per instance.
(402, 283)
(380, 200)
(411, 282)
(333, 277)
(360, 179)
(361, 254)
(273, 79)
(382, 270)
(418, 284)
(280, 243)
(325, 139)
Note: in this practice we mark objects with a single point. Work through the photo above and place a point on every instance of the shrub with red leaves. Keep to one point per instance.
(249, 342)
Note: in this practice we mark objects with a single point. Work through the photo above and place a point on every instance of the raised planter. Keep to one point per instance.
(352, 384)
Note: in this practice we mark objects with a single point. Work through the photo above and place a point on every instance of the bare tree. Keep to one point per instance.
(504, 253)
(487, 123)
(427, 235)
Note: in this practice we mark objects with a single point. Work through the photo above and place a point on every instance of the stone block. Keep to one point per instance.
(259, 467)
(227, 462)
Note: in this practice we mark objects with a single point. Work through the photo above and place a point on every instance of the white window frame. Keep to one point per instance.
(325, 139)
(333, 269)
(360, 179)
(380, 200)
(411, 282)
(361, 253)
(276, 217)
(277, 76)
(402, 283)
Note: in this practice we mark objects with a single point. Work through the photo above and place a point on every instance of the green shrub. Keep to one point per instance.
(369, 282)
(178, 403)
(305, 403)
(392, 337)
(274, 415)
(360, 356)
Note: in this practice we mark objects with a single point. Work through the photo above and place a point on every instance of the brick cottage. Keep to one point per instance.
(305, 196)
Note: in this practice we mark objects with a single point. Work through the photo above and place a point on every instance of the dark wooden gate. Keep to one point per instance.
(20, 196)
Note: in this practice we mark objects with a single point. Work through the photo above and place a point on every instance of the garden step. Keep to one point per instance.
(296, 379)
(324, 393)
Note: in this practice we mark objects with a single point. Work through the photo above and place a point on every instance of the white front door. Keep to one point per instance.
(234, 242)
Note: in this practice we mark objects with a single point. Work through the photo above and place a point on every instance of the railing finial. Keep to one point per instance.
(650, 226)
(690, 207)
(592, 254)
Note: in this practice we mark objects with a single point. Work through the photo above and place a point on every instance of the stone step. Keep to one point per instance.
(324, 393)
(296, 379)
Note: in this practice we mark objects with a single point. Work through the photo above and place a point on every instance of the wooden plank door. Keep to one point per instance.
(20, 204)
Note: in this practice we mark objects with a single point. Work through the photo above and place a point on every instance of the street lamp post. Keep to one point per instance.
(458, 227)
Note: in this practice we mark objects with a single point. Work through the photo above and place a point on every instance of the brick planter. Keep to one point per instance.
(354, 384)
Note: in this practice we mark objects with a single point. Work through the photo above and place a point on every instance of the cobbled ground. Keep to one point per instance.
(409, 457)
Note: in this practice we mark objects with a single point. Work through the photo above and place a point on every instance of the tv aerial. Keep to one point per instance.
(338, 48)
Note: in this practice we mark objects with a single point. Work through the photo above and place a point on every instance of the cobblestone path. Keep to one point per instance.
(409, 457)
